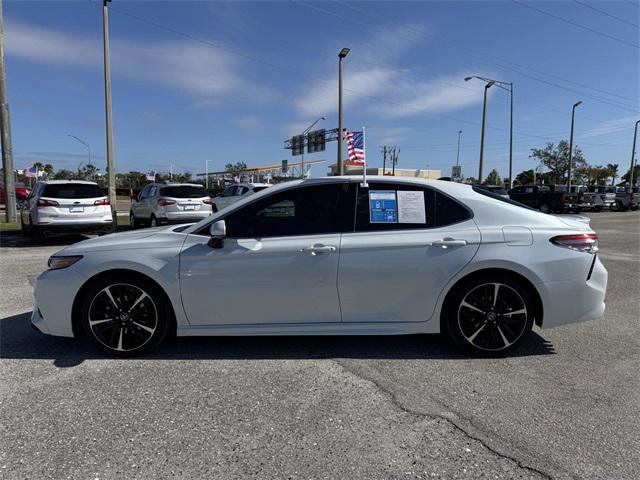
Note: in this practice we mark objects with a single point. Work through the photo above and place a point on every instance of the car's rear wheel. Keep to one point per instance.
(598, 208)
(153, 222)
(545, 208)
(125, 316)
(133, 221)
(37, 235)
(616, 206)
(489, 315)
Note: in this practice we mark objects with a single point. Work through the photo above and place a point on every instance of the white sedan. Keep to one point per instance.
(330, 256)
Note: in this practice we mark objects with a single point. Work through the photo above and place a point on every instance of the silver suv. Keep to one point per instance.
(236, 192)
(66, 206)
(162, 203)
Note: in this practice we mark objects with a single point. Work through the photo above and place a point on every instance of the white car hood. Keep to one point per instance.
(162, 237)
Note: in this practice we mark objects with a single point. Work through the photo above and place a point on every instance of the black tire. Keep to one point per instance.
(598, 208)
(476, 325)
(153, 221)
(133, 221)
(23, 228)
(214, 208)
(120, 320)
(545, 208)
(616, 206)
(37, 235)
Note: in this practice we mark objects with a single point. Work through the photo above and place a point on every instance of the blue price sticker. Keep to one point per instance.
(383, 206)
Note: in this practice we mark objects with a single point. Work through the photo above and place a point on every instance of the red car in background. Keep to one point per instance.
(22, 192)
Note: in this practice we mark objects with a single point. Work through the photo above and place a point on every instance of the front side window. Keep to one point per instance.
(309, 210)
(229, 191)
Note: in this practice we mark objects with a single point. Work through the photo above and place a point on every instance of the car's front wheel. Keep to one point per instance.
(489, 315)
(125, 315)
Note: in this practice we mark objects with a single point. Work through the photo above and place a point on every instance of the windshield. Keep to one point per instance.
(183, 191)
(72, 190)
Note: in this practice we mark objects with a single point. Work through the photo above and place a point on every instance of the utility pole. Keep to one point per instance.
(343, 53)
(206, 173)
(511, 139)
(458, 154)
(384, 160)
(573, 115)
(394, 159)
(633, 155)
(111, 169)
(5, 127)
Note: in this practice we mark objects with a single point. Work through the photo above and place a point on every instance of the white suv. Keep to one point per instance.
(161, 203)
(66, 206)
(236, 192)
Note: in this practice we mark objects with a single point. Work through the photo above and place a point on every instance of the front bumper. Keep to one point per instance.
(572, 301)
(54, 294)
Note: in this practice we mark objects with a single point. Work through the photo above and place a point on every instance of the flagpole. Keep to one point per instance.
(364, 165)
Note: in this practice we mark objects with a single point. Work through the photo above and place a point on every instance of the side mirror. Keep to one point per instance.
(218, 232)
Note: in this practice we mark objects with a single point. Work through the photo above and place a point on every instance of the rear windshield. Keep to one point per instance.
(183, 191)
(257, 189)
(498, 190)
(500, 198)
(72, 190)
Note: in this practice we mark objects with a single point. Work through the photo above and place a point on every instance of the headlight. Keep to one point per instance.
(57, 262)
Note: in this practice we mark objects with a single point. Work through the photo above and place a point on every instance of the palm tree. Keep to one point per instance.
(613, 172)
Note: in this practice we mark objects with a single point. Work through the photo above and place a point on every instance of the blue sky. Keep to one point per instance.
(178, 99)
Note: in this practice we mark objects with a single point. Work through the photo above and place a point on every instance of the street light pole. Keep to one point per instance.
(511, 138)
(111, 170)
(83, 143)
(206, 173)
(458, 154)
(573, 115)
(484, 121)
(5, 128)
(343, 53)
(633, 155)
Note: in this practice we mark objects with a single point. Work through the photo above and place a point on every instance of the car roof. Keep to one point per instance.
(59, 182)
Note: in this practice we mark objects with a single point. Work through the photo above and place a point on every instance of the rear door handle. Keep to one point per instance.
(448, 242)
(319, 249)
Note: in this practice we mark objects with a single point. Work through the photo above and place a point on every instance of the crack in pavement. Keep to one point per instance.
(454, 420)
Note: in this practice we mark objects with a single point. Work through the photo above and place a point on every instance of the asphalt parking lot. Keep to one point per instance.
(566, 405)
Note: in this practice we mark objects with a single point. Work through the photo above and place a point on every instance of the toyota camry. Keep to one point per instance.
(332, 256)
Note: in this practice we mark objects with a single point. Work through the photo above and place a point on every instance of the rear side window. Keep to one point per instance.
(183, 191)
(379, 207)
(500, 198)
(449, 211)
(72, 190)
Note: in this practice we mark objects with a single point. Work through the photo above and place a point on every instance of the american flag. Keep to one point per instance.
(151, 176)
(355, 147)
(31, 172)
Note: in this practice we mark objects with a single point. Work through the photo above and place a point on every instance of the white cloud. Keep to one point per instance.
(201, 71)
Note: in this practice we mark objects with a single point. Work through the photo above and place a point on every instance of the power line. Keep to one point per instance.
(605, 13)
(570, 22)
(475, 55)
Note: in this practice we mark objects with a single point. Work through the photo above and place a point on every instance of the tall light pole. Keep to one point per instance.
(509, 88)
(343, 53)
(5, 128)
(573, 115)
(458, 154)
(633, 155)
(304, 140)
(206, 173)
(83, 143)
(111, 169)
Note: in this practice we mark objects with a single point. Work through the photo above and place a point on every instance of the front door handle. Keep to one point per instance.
(318, 249)
(449, 242)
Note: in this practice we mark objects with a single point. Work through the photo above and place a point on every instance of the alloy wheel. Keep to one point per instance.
(492, 316)
(123, 317)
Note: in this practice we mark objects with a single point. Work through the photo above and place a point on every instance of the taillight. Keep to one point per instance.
(47, 203)
(104, 201)
(163, 202)
(207, 201)
(584, 242)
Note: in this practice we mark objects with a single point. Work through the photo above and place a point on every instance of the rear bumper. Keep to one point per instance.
(66, 228)
(184, 217)
(574, 301)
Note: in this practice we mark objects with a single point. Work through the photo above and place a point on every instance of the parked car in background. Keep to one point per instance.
(546, 198)
(236, 192)
(624, 200)
(163, 203)
(22, 193)
(58, 207)
(587, 200)
(606, 192)
(329, 256)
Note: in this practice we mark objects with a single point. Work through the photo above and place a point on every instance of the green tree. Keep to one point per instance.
(613, 172)
(64, 174)
(636, 175)
(235, 169)
(493, 178)
(48, 169)
(556, 159)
